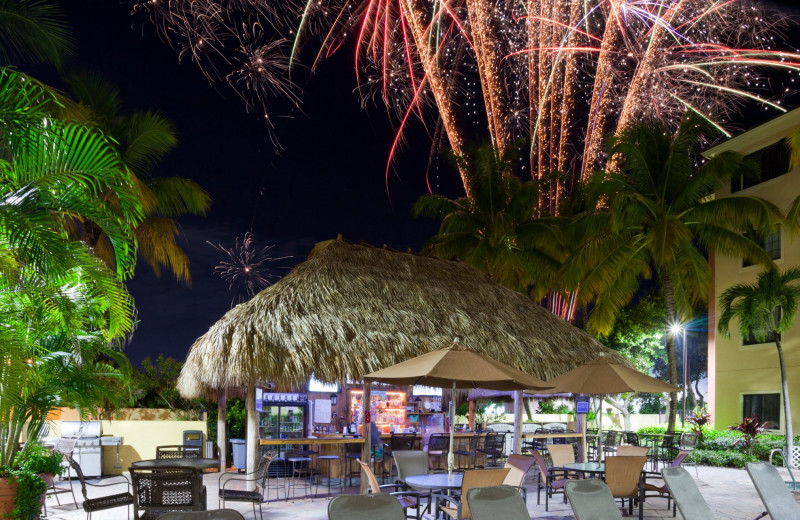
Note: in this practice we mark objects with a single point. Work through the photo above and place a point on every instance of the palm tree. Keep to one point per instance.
(142, 139)
(657, 215)
(496, 230)
(765, 309)
(33, 31)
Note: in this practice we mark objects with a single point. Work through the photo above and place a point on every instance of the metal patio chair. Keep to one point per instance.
(90, 505)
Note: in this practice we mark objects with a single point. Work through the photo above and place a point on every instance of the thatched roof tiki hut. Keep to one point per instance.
(349, 310)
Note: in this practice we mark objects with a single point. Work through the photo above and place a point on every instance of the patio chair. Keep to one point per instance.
(438, 448)
(214, 514)
(688, 443)
(668, 449)
(560, 456)
(177, 452)
(548, 479)
(493, 448)
(684, 492)
(610, 442)
(412, 462)
(790, 460)
(256, 496)
(65, 446)
(623, 477)
(654, 482)
(403, 441)
(90, 505)
(632, 451)
(518, 466)
(591, 500)
(407, 499)
(777, 498)
(380, 506)
(158, 491)
(457, 507)
(470, 453)
(491, 503)
(631, 438)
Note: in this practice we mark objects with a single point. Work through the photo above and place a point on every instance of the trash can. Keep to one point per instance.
(239, 448)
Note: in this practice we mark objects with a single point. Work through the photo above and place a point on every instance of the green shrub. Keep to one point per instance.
(724, 458)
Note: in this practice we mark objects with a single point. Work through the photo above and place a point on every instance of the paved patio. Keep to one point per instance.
(729, 492)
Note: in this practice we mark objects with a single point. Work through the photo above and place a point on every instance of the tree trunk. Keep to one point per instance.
(622, 406)
(787, 409)
(528, 412)
(672, 360)
(701, 402)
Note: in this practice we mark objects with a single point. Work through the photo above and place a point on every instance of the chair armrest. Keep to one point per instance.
(126, 480)
(225, 477)
(227, 481)
(447, 498)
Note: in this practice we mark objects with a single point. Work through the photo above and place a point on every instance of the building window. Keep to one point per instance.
(770, 242)
(769, 337)
(774, 162)
(767, 407)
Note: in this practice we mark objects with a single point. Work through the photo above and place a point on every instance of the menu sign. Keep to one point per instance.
(284, 397)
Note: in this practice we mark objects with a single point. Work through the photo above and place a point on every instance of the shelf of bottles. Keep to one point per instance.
(388, 409)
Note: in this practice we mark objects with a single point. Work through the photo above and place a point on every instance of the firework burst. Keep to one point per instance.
(247, 266)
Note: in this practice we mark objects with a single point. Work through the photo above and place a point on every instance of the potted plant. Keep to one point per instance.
(41, 461)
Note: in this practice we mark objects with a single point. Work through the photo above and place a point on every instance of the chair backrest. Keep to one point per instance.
(684, 491)
(479, 478)
(403, 441)
(632, 451)
(65, 445)
(542, 465)
(592, 500)
(214, 514)
(561, 454)
(439, 442)
(411, 462)
(623, 475)
(689, 440)
(79, 472)
(379, 506)
(177, 452)
(374, 487)
(491, 503)
(678, 460)
(518, 466)
(163, 489)
(670, 440)
(473, 441)
(610, 438)
(777, 498)
(632, 438)
(262, 471)
(494, 442)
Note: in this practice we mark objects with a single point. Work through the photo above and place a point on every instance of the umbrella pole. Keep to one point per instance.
(600, 451)
(450, 457)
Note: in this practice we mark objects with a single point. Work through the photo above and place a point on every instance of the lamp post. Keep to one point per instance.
(675, 329)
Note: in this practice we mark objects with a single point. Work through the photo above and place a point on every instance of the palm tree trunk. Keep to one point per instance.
(787, 409)
(672, 360)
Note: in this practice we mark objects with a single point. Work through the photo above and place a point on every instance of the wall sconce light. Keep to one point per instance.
(334, 398)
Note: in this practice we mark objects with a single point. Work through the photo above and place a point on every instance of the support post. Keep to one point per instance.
(222, 434)
(518, 421)
(472, 415)
(251, 433)
(365, 431)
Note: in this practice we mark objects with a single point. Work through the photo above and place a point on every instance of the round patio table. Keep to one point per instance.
(586, 467)
(199, 464)
(434, 481)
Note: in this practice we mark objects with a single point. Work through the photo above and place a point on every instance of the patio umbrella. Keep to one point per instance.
(604, 376)
(459, 367)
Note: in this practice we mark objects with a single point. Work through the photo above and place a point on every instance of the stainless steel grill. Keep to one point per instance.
(88, 450)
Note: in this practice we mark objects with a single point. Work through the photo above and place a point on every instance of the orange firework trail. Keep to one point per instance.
(561, 74)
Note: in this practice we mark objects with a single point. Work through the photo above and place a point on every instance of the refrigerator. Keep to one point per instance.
(281, 416)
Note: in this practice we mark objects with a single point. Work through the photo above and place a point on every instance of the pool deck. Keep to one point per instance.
(729, 492)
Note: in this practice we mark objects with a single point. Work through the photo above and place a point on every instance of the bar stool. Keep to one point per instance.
(328, 459)
(301, 474)
(352, 453)
(276, 479)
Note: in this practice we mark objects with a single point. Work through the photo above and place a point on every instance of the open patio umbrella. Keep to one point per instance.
(459, 367)
(603, 376)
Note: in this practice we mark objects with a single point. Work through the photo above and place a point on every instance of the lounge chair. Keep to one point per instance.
(365, 507)
(458, 509)
(777, 498)
(684, 492)
(591, 500)
(495, 502)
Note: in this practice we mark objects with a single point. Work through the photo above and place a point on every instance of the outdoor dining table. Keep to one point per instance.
(434, 481)
(183, 462)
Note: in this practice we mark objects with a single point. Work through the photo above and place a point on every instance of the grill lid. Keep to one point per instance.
(80, 428)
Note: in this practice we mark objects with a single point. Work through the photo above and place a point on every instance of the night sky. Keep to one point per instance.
(327, 180)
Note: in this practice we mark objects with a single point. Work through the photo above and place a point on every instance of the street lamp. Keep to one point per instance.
(676, 328)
